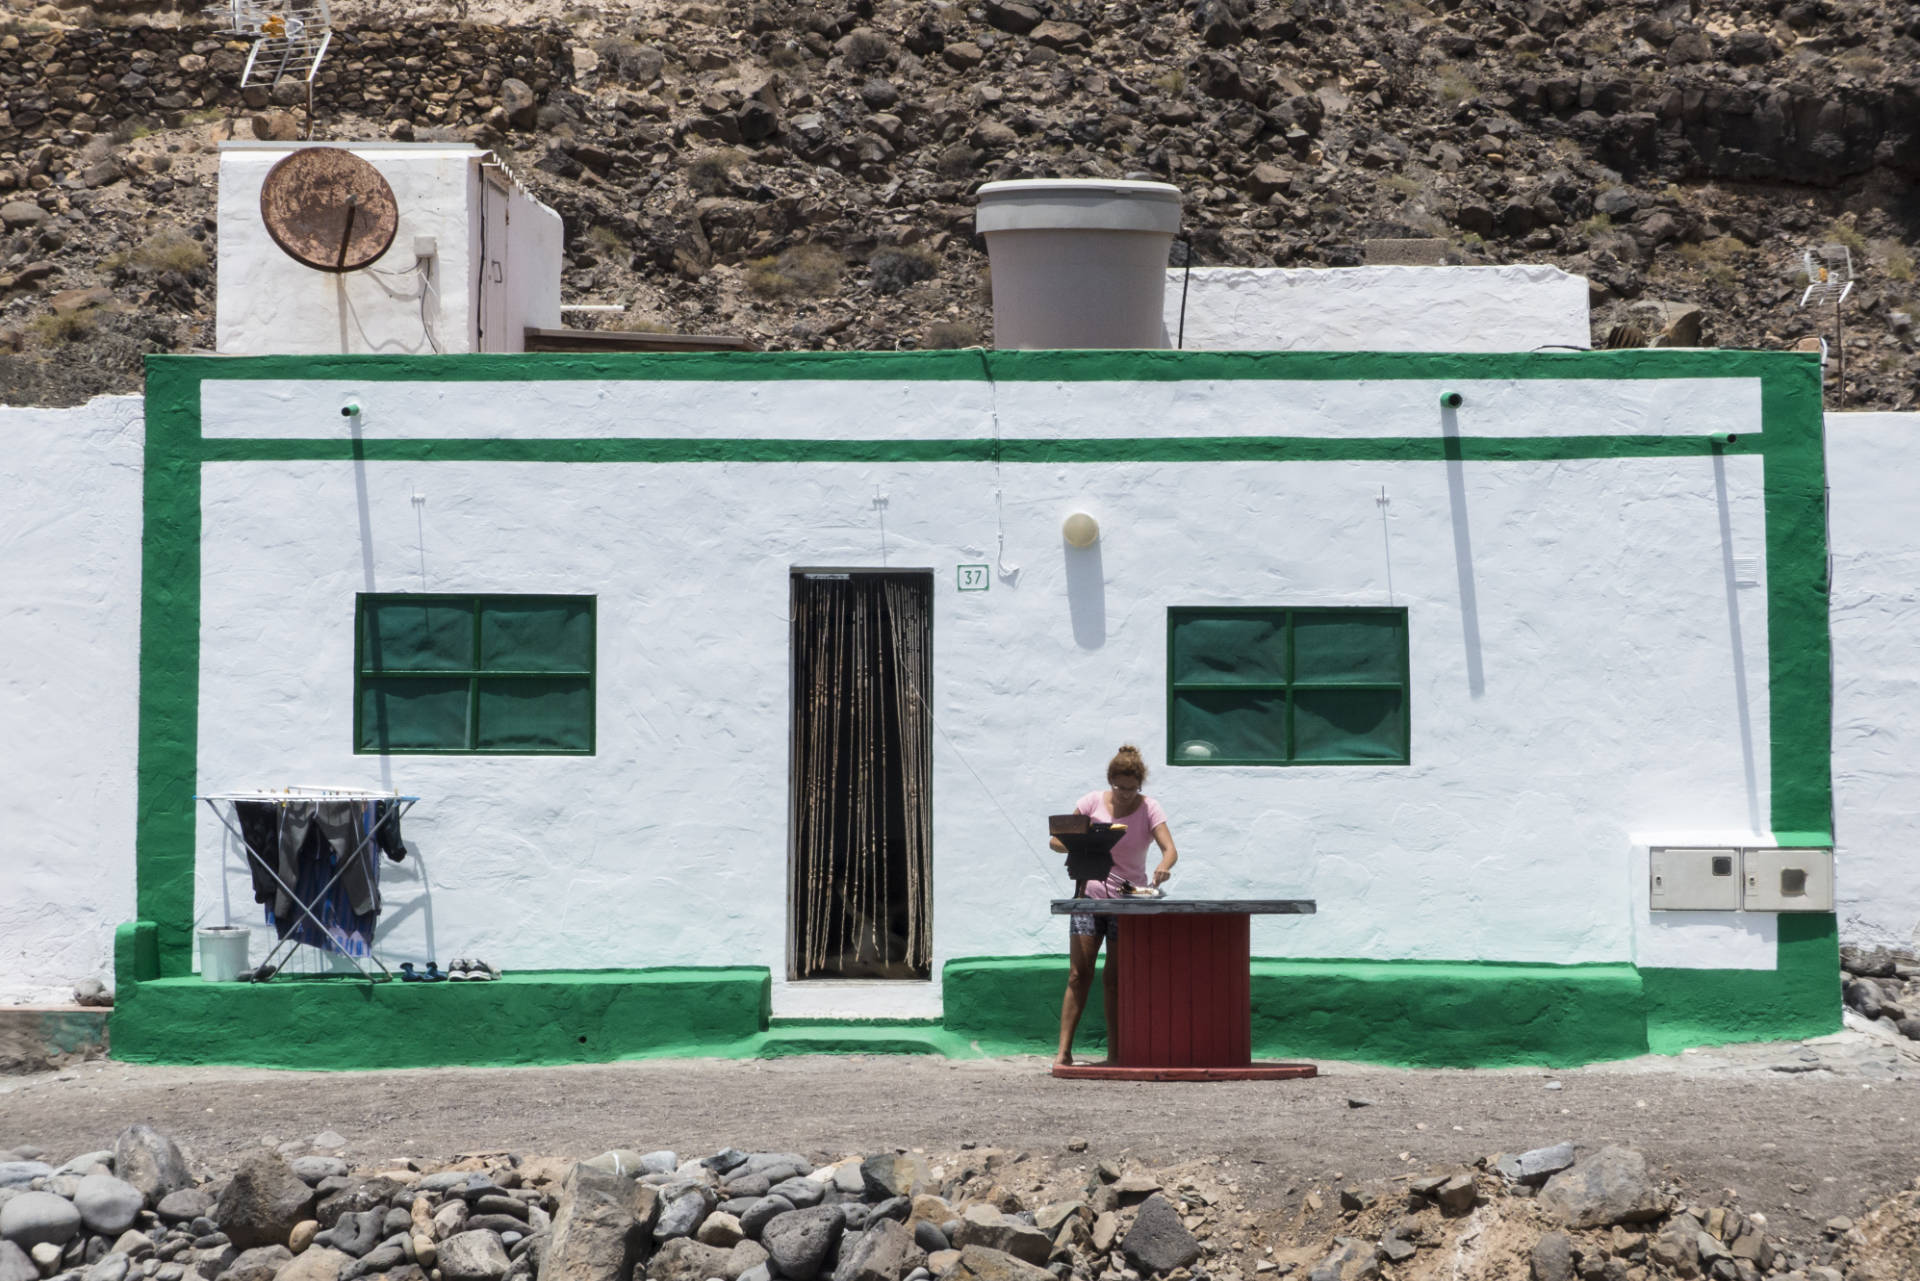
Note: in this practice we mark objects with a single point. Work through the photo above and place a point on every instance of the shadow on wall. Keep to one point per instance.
(1086, 594)
(1463, 549)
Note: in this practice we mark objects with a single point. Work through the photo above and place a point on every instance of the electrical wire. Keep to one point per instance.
(1007, 572)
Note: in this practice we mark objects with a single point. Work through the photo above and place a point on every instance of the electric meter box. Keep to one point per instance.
(1788, 880)
(1694, 879)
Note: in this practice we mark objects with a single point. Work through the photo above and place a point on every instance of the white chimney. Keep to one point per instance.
(1078, 262)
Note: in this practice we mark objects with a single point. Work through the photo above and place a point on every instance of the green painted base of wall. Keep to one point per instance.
(1405, 1013)
(556, 1016)
(1457, 1014)
(1716, 1007)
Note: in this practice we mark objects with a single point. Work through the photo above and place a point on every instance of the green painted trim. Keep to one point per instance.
(1800, 997)
(169, 732)
(1011, 1004)
(1799, 661)
(976, 365)
(136, 953)
(590, 1016)
(1447, 1014)
(1178, 449)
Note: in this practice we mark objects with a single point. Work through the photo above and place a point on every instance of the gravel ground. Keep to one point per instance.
(1802, 1131)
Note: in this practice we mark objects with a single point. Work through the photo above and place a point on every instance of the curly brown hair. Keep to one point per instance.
(1128, 761)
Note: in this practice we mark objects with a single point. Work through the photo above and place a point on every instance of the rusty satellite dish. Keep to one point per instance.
(329, 209)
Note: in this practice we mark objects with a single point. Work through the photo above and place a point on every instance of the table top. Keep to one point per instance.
(1185, 906)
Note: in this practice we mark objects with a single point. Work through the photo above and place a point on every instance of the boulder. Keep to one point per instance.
(1352, 1260)
(892, 1175)
(314, 1265)
(754, 1220)
(151, 1162)
(16, 1264)
(885, 1252)
(1540, 1164)
(34, 1218)
(722, 1230)
(107, 1205)
(978, 1263)
(262, 1202)
(184, 1206)
(472, 1256)
(683, 1208)
(1552, 1258)
(983, 1225)
(1611, 1186)
(18, 1174)
(1158, 1240)
(258, 1264)
(801, 1241)
(602, 1225)
(685, 1259)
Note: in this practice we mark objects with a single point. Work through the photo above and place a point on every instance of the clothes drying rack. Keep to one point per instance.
(221, 803)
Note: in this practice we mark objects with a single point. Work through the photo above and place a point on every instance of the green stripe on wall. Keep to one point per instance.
(169, 661)
(976, 365)
(1186, 449)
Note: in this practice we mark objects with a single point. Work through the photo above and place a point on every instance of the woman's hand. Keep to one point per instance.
(1162, 872)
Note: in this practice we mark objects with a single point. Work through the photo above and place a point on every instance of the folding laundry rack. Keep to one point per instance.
(222, 805)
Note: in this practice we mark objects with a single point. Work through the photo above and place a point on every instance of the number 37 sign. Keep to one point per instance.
(972, 578)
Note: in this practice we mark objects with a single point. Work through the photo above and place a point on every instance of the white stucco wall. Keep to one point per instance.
(1872, 462)
(69, 690)
(1437, 309)
(1586, 667)
(268, 303)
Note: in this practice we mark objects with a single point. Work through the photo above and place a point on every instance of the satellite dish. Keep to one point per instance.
(329, 209)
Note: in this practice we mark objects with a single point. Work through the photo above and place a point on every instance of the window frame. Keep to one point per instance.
(476, 676)
(1178, 613)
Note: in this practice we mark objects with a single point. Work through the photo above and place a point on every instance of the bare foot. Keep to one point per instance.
(1065, 1060)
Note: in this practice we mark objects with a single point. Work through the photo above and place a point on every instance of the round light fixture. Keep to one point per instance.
(1080, 530)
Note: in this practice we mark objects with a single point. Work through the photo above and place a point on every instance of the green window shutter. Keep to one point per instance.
(1279, 686)
(450, 675)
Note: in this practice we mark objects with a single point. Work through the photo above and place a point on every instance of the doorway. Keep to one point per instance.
(860, 869)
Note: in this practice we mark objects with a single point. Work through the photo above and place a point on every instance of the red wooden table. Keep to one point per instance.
(1184, 1012)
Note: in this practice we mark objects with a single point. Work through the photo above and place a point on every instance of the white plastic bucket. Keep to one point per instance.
(1078, 263)
(223, 952)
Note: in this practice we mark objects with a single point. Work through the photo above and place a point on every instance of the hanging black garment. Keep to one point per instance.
(386, 822)
(260, 829)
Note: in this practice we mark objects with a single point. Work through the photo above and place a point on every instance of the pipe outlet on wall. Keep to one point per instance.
(1724, 437)
(1451, 400)
(351, 409)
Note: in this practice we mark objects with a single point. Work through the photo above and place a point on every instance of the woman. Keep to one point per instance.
(1122, 802)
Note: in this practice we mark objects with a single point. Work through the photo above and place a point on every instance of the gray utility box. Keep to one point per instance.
(1695, 880)
(1790, 880)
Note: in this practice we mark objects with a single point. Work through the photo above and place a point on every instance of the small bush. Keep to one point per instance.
(169, 251)
(1454, 86)
(56, 327)
(1172, 82)
(1899, 265)
(804, 271)
(950, 335)
(895, 269)
(1840, 233)
(711, 172)
(1595, 225)
(607, 240)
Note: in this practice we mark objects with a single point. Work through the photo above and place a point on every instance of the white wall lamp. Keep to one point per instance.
(1080, 530)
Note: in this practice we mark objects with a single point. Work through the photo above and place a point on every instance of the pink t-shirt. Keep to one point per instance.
(1130, 855)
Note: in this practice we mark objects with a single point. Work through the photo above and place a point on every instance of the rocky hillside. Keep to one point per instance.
(802, 173)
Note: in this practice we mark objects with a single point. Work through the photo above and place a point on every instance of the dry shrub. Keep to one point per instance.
(804, 271)
(950, 335)
(896, 269)
(711, 172)
(58, 327)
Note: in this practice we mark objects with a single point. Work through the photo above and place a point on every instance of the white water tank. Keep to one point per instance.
(1078, 262)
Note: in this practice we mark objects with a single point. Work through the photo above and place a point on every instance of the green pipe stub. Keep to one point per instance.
(1451, 400)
